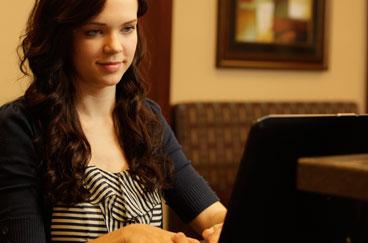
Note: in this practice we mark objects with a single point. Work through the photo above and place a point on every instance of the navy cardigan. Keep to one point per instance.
(23, 215)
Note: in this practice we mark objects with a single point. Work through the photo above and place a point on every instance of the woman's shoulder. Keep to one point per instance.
(15, 107)
(12, 109)
(153, 106)
(20, 100)
(15, 113)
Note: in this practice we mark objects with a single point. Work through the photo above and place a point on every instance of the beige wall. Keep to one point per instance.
(12, 20)
(194, 76)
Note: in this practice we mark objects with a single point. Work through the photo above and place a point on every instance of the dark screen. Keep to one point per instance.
(266, 206)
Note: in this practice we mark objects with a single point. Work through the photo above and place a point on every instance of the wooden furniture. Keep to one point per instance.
(343, 175)
(156, 65)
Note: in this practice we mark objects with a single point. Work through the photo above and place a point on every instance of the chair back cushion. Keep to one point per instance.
(213, 134)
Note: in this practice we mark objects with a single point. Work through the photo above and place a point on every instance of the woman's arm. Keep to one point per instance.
(209, 222)
(213, 215)
(143, 233)
(191, 197)
(190, 193)
(21, 210)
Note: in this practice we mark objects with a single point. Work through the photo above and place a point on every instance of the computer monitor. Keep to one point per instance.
(265, 204)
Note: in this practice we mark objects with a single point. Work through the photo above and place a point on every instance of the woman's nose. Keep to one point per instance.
(112, 44)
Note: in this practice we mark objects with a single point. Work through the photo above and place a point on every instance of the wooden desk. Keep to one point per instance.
(345, 175)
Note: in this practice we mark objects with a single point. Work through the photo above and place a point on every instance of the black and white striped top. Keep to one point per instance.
(117, 200)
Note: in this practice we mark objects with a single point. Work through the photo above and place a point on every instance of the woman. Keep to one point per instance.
(84, 155)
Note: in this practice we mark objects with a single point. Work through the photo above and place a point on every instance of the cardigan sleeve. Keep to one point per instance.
(190, 194)
(21, 217)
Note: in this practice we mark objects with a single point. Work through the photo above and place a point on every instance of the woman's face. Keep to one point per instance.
(104, 47)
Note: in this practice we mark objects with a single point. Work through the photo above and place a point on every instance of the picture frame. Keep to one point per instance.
(272, 34)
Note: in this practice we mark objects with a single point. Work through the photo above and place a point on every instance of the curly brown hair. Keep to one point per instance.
(47, 47)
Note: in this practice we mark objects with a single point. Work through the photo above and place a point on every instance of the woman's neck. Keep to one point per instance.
(96, 104)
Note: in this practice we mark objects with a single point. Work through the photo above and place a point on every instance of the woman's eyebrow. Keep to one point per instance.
(103, 24)
(132, 21)
(95, 23)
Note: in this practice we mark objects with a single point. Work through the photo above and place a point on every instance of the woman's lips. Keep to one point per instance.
(110, 67)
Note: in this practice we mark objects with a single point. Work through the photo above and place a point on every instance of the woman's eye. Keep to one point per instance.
(92, 33)
(128, 29)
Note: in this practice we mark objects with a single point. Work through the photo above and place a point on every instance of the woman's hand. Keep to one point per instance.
(212, 235)
(143, 233)
(181, 238)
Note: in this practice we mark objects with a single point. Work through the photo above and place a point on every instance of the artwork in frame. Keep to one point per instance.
(278, 34)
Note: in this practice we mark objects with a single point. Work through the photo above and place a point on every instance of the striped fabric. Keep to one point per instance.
(116, 201)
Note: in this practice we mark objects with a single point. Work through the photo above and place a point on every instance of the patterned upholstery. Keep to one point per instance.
(213, 134)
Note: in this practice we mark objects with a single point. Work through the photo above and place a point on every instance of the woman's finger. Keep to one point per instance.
(181, 238)
(212, 234)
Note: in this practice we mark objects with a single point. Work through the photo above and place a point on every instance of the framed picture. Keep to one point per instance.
(277, 34)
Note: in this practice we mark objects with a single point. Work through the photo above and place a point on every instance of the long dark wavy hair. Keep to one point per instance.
(46, 47)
